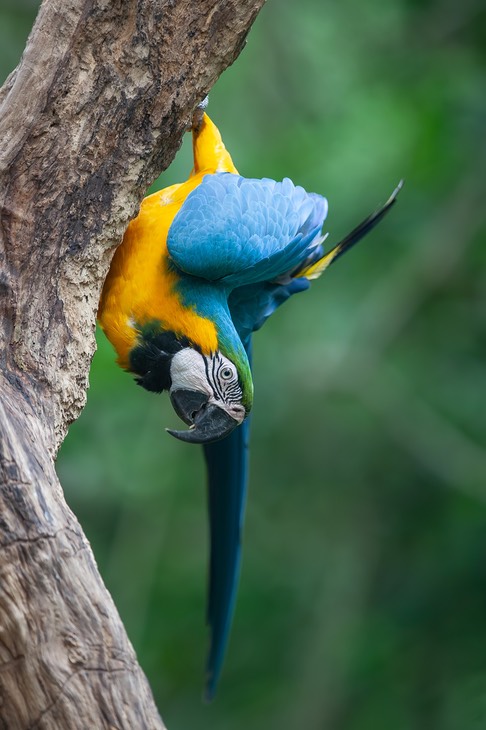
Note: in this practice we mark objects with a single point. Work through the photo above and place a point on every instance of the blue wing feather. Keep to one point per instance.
(227, 468)
(252, 305)
(241, 231)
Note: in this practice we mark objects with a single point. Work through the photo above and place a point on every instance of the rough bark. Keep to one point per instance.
(95, 110)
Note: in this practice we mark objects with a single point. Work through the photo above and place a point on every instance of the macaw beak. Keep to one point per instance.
(207, 422)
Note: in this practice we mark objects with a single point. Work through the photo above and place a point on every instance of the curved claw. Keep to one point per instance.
(207, 421)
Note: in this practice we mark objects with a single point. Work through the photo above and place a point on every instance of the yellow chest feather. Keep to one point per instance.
(140, 287)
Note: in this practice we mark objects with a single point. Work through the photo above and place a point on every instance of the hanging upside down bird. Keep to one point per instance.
(201, 267)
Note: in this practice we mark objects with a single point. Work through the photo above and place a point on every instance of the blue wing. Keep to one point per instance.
(227, 468)
(252, 305)
(239, 231)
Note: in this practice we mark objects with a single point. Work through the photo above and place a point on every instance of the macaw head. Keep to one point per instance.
(209, 392)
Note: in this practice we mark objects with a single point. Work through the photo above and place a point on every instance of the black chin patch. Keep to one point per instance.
(150, 359)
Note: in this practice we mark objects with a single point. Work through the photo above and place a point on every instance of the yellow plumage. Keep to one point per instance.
(139, 287)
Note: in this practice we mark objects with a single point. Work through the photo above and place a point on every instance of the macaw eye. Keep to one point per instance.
(226, 373)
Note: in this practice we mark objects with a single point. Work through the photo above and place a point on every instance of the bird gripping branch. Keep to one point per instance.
(201, 267)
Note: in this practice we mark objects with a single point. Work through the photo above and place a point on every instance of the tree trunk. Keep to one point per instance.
(95, 110)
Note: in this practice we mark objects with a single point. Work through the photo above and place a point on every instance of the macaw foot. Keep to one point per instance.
(198, 115)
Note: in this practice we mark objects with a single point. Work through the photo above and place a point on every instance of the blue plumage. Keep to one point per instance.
(252, 305)
(238, 231)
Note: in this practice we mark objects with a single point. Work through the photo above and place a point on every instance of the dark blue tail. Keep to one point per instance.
(227, 466)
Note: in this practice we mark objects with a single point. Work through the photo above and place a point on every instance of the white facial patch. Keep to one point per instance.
(188, 372)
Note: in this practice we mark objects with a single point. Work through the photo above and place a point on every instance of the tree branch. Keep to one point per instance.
(95, 110)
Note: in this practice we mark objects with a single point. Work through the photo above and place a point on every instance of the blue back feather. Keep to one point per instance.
(239, 231)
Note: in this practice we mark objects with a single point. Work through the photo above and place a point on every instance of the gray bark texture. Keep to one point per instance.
(94, 112)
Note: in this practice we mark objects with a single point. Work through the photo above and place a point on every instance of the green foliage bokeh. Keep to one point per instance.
(362, 602)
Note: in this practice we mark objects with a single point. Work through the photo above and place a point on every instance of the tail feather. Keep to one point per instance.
(227, 466)
(227, 471)
(315, 269)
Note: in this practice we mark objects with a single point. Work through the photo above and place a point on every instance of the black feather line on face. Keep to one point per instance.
(150, 359)
(215, 384)
(207, 362)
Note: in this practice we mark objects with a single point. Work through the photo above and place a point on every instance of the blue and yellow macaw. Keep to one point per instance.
(200, 268)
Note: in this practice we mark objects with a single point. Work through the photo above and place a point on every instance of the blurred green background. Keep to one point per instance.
(362, 602)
